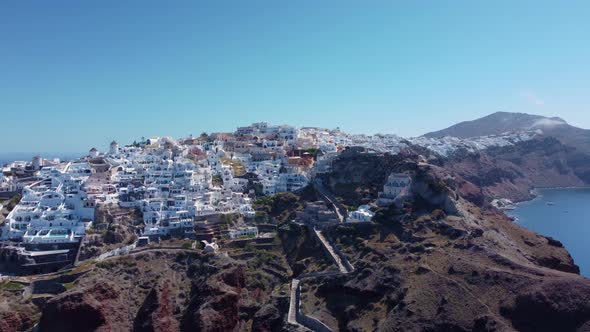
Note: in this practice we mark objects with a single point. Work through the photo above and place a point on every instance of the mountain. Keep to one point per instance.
(512, 171)
(502, 122)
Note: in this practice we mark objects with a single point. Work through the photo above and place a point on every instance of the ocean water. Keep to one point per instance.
(7, 157)
(563, 214)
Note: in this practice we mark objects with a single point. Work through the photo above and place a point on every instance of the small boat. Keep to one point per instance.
(550, 203)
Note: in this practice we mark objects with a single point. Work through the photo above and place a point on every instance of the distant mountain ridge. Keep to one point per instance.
(502, 122)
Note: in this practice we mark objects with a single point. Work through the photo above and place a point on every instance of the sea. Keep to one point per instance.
(8, 157)
(563, 214)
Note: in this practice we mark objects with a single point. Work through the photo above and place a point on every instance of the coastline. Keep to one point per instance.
(559, 188)
(535, 192)
(559, 213)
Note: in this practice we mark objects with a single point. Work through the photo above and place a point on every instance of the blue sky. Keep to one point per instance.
(77, 74)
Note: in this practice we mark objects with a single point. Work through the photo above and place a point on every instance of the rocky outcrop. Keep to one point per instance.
(511, 172)
(447, 263)
(433, 189)
(220, 314)
(357, 176)
(97, 308)
(17, 318)
(157, 311)
(551, 306)
(268, 318)
(172, 291)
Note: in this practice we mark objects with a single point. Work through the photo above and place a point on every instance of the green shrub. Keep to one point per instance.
(217, 180)
(13, 202)
(107, 265)
(69, 285)
(11, 286)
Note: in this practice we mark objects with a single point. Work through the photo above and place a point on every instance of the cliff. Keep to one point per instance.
(511, 172)
(444, 263)
(159, 290)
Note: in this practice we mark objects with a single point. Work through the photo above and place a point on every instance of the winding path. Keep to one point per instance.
(294, 302)
(343, 264)
(295, 315)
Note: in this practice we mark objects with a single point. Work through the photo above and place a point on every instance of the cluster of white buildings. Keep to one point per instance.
(8, 185)
(17, 174)
(177, 182)
(53, 210)
(446, 146)
(172, 183)
(332, 141)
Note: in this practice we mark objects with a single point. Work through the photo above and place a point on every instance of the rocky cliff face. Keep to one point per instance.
(16, 314)
(167, 291)
(444, 261)
(511, 172)
(357, 176)
(463, 269)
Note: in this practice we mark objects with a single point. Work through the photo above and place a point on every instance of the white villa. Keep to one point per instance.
(395, 189)
(239, 232)
(362, 214)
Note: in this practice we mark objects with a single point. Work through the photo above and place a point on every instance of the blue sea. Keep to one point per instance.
(563, 214)
(7, 157)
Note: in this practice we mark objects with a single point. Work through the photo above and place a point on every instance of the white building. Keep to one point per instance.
(362, 214)
(93, 153)
(239, 232)
(114, 148)
(37, 162)
(395, 189)
(396, 184)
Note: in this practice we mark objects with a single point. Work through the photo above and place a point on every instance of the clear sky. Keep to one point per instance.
(77, 74)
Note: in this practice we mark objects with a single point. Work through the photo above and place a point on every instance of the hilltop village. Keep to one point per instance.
(183, 186)
(278, 228)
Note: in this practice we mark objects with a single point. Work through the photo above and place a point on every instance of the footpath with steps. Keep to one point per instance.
(295, 315)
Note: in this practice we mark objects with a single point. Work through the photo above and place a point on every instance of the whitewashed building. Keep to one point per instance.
(239, 232)
(395, 189)
(362, 214)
